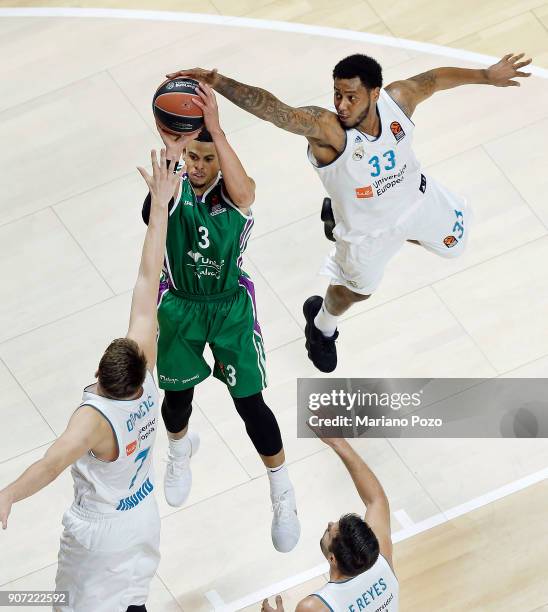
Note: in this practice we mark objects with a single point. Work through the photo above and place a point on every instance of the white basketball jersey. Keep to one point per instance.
(374, 183)
(375, 589)
(108, 486)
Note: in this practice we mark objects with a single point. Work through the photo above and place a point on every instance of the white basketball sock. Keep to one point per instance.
(326, 322)
(181, 447)
(279, 479)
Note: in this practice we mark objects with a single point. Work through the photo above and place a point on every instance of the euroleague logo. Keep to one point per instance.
(397, 130)
(174, 84)
(450, 241)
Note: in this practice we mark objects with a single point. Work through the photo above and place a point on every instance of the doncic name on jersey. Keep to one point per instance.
(133, 500)
(142, 411)
(144, 430)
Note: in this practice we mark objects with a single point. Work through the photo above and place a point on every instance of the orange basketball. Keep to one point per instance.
(174, 108)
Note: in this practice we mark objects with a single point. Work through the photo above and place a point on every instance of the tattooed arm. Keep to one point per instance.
(411, 92)
(313, 122)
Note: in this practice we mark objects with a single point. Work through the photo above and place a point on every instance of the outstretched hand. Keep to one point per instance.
(5, 508)
(503, 73)
(199, 74)
(163, 182)
(326, 439)
(266, 607)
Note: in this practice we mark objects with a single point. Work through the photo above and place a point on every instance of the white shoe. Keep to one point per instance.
(178, 477)
(286, 529)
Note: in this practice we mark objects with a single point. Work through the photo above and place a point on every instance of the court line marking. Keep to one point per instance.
(261, 24)
(403, 518)
(388, 41)
(215, 600)
(404, 534)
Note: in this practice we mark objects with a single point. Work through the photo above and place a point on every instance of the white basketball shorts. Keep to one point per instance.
(440, 222)
(106, 562)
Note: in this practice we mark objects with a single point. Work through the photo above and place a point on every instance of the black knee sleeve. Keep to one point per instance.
(142, 608)
(176, 409)
(260, 424)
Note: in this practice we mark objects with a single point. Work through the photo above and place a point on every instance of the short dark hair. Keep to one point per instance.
(122, 368)
(366, 68)
(204, 136)
(355, 547)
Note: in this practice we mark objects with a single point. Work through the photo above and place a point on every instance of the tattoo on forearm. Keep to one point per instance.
(265, 105)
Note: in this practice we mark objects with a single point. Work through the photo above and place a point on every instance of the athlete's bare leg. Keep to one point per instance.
(273, 461)
(179, 435)
(338, 299)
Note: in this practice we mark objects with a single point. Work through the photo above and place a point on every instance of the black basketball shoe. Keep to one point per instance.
(328, 219)
(321, 350)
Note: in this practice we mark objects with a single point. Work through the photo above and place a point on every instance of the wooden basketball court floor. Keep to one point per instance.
(75, 121)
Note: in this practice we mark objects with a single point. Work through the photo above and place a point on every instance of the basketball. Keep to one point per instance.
(173, 106)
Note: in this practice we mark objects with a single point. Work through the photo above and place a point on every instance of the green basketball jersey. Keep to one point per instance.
(206, 238)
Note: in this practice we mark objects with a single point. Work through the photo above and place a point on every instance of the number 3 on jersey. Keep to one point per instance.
(231, 375)
(204, 237)
(389, 156)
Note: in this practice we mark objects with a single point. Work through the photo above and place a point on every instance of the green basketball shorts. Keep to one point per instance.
(228, 323)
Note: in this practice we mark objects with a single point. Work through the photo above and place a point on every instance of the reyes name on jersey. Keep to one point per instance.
(376, 589)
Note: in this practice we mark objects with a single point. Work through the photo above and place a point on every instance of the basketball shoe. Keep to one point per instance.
(178, 476)
(286, 528)
(321, 349)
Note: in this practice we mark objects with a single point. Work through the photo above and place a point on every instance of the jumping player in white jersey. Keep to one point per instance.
(110, 544)
(363, 156)
(359, 551)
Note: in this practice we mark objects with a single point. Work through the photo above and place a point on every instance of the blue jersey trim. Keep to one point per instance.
(343, 581)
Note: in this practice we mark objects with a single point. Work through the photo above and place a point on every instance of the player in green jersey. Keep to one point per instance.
(206, 298)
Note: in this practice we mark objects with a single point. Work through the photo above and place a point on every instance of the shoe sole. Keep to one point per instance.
(307, 326)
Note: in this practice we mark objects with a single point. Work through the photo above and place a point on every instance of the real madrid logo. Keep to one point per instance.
(358, 153)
